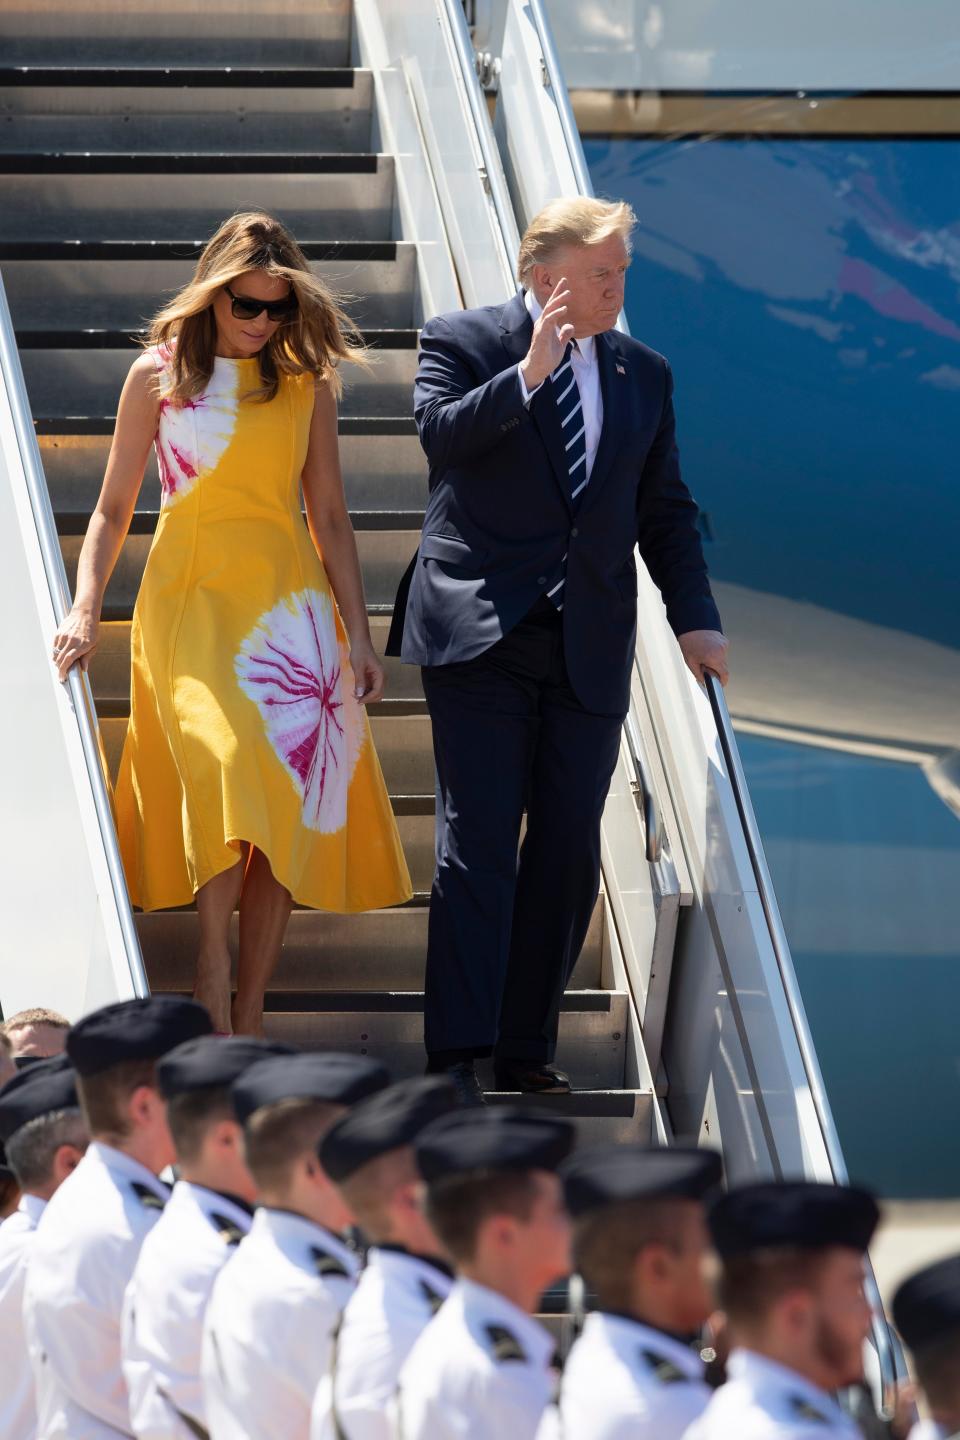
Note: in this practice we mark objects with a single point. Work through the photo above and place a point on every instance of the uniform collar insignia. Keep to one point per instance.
(148, 1198)
(327, 1266)
(505, 1344)
(228, 1230)
(803, 1410)
(665, 1370)
(433, 1297)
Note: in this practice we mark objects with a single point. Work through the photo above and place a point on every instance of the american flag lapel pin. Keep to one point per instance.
(621, 370)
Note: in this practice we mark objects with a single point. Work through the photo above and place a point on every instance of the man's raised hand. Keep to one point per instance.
(551, 336)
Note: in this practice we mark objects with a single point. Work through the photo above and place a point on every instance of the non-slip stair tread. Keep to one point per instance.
(70, 425)
(184, 249)
(144, 521)
(191, 162)
(175, 76)
(402, 1002)
(86, 338)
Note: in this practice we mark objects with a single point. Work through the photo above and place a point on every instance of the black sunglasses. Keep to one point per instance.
(245, 308)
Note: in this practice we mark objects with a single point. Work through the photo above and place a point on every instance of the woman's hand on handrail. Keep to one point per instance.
(76, 640)
(77, 636)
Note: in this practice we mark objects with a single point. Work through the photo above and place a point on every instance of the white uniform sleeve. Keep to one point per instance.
(75, 1343)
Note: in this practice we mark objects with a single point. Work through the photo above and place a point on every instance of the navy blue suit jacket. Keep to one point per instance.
(499, 519)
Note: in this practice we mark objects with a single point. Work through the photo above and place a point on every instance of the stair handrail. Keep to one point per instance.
(77, 685)
(889, 1355)
(492, 172)
(553, 76)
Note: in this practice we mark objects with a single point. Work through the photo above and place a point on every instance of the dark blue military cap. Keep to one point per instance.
(134, 1030)
(608, 1174)
(213, 1062)
(926, 1307)
(503, 1137)
(330, 1077)
(385, 1121)
(41, 1089)
(800, 1214)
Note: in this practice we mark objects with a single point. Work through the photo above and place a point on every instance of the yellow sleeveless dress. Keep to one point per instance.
(243, 724)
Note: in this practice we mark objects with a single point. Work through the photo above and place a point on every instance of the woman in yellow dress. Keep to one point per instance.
(249, 778)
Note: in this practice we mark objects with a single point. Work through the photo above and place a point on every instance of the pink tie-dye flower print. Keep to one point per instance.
(293, 667)
(192, 437)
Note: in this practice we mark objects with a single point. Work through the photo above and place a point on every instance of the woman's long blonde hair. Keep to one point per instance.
(314, 340)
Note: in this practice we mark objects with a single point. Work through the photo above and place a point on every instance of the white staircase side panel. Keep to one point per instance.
(61, 939)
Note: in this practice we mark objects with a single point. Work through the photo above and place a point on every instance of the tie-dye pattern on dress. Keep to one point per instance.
(243, 723)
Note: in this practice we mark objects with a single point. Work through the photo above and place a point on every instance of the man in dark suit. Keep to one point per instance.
(552, 453)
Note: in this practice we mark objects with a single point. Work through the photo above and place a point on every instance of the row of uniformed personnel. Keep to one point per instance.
(127, 1310)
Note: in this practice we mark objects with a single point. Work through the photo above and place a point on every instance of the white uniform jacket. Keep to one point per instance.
(765, 1401)
(165, 1304)
(270, 1326)
(626, 1381)
(83, 1256)
(396, 1299)
(18, 1408)
(482, 1370)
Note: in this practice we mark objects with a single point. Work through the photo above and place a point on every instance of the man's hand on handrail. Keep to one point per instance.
(705, 650)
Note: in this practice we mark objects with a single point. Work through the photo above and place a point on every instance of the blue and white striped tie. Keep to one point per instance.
(566, 393)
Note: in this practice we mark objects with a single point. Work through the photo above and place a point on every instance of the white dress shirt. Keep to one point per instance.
(270, 1326)
(480, 1371)
(18, 1408)
(762, 1400)
(396, 1299)
(626, 1381)
(165, 1304)
(586, 372)
(81, 1262)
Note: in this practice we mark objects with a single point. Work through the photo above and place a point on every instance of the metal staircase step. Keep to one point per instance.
(377, 475)
(384, 556)
(403, 744)
(166, 32)
(389, 1025)
(601, 1116)
(94, 384)
(110, 669)
(378, 950)
(151, 108)
(130, 196)
(118, 285)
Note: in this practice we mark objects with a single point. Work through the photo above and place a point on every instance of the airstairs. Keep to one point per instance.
(130, 129)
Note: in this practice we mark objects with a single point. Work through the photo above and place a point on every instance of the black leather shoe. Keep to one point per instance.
(464, 1078)
(531, 1077)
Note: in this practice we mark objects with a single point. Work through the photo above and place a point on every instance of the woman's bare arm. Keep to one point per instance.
(329, 523)
(136, 427)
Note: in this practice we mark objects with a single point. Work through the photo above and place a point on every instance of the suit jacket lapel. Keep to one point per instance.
(613, 392)
(516, 328)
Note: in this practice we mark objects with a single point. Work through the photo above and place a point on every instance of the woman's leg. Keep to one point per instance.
(216, 902)
(264, 911)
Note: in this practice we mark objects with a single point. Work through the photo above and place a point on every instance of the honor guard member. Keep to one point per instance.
(369, 1155)
(41, 1123)
(206, 1217)
(268, 1335)
(792, 1289)
(483, 1368)
(926, 1311)
(86, 1248)
(640, 1243)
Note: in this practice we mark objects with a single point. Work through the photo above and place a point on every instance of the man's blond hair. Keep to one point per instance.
(578, 220)
(38, 1015)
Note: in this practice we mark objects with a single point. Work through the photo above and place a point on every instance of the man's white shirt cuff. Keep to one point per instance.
(527, 395)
